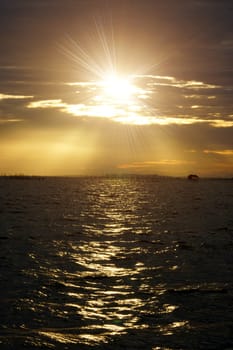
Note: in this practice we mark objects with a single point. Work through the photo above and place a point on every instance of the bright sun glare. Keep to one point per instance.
(111, 94)
(119, 89)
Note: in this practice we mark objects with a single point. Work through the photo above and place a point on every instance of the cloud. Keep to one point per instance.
(11, 120)
(153, 100)
(152, 163)
(219, 123)
(14, 97)
(225, 152)
(106, 111)
(132, 115)
(47, 104)
(157, 80)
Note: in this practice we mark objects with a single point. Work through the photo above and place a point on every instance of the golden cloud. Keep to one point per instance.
(14, 97)
(126, 102)
(10, 120)
(47, 104)
(151, 163)
(157, 80)
(225, 152)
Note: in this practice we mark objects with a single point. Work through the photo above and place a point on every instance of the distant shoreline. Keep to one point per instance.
(106, 176)
(22, 177)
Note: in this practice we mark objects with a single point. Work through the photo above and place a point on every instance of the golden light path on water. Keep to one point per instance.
(106, 270)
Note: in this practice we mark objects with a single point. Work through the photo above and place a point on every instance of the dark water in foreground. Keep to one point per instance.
(96, 263)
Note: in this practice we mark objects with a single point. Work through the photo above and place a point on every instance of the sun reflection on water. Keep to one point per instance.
(171, 328)
(111, 271)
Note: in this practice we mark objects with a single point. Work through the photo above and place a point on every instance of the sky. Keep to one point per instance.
(96, 87)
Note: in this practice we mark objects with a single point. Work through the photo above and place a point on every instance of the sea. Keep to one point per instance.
(113, 263)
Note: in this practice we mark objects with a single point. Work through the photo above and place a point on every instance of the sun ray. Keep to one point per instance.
(117, 96)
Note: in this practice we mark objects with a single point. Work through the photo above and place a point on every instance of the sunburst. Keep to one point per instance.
(112, 93)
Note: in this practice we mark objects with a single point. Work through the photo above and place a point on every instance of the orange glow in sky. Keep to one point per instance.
(126, 91)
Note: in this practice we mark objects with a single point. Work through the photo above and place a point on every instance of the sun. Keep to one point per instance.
(119, 89)
(118, 98)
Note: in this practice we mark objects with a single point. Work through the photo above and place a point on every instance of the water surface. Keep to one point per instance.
(116, 263)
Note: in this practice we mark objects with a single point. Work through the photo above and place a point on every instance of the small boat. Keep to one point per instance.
(193, 177)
